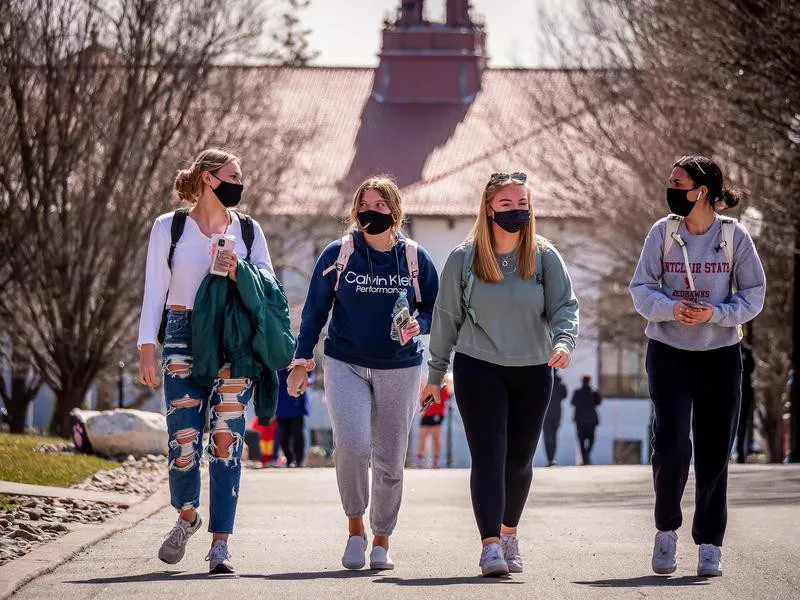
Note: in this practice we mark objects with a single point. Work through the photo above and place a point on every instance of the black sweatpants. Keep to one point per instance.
(550, 439)
(700, 391)
(502, 409)
(586, 440)
(292, 440)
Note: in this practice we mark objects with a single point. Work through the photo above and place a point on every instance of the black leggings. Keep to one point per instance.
(503, 410)
(697, 391)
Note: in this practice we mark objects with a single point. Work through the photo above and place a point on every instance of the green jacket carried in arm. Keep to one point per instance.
(244, 323)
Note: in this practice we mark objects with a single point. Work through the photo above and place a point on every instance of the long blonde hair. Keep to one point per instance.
(390, 193)
(484, 263)
(189, 182)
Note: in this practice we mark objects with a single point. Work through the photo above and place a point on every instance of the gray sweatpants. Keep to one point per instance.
(371, 412)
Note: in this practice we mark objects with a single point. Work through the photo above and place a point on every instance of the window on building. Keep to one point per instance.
(622, 347)
(622, 370)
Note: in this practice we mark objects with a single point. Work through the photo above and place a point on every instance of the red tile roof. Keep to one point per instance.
(440, 154)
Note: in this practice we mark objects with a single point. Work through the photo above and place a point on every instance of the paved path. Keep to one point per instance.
(26, 489)
(587, 533)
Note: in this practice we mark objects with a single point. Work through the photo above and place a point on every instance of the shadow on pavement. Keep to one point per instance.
(434, 581)
(341, 574)
(647, 581)
(154, 576)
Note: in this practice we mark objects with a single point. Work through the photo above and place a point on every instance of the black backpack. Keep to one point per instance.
(178, 223)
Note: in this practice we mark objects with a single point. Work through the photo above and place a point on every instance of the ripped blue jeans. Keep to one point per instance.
(188, 405)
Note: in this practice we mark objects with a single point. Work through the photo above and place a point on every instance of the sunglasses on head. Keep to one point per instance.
(496, 178)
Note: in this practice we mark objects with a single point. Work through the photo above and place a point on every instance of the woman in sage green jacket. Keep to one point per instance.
(506, 307)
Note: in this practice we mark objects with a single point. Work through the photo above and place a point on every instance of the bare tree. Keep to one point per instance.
(651, 81)
(96, 97)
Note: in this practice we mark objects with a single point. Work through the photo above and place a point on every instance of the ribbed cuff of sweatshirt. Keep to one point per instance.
(716, 316)
(435, 377)
(565, 343)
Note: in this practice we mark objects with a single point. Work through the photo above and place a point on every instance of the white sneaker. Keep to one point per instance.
(379, 559)
(511, 553)
(709, 561)
(664, 561)
(354, 556)
(492, 562)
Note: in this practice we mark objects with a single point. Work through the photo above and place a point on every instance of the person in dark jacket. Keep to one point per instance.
(744, 433)
(552, 419)
(291, 414)
(586, 400)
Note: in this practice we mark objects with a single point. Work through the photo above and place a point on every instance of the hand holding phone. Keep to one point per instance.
(426, 405)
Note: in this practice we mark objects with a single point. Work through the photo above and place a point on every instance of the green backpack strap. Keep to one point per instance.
(468, 279)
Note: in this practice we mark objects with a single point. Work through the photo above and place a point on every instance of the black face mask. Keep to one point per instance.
(513, 220)
(229, 194)
(375, 222)
(678, 201)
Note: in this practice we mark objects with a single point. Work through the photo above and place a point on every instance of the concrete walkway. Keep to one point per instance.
(26, 489)
(587, 533)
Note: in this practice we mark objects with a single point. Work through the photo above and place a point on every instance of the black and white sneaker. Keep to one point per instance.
(219, 559)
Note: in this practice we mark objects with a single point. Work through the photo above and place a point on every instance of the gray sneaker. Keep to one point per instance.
(709, 561)
(354, 556)
(492, 562)
(511, 553)
(664, 561)
(219, 559)
(174, 546)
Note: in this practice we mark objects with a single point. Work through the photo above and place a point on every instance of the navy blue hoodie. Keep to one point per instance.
(360, 329)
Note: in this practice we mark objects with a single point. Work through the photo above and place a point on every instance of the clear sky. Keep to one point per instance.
(347, 32)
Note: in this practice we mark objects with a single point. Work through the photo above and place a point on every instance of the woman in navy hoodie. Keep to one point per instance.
(373, 358)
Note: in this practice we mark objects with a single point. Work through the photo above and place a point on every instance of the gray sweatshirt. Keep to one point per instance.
(518, 321)
(656, 300)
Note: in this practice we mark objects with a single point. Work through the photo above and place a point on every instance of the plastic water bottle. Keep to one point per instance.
(400, 304)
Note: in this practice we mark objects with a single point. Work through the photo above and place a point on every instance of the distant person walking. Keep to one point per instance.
(699, 278)
(291, 414)
(586, 400)
(507, 309)
(430, 428)
(552, 420)
(744, 433)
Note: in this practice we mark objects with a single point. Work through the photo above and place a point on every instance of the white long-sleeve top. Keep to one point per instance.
(190, 264)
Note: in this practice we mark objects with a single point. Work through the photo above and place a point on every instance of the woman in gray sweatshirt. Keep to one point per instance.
(506, 306)
(698, 280)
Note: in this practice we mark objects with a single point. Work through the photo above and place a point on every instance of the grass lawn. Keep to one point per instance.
(19, 463)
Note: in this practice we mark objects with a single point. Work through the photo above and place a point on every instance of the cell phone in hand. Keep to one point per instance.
(400, 320)
(426, 405)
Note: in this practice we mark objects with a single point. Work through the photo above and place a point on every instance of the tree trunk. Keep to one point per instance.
(67, 400)
(18, 406)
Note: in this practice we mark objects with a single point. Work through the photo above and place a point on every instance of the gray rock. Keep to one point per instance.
(35, 513)
(56, 527)
(29, 528)
(25, 535)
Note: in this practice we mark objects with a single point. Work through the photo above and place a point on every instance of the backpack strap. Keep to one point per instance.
(176, 231)
(468, 279)
(345, 252)
(673, 224)
(412, 260)
(539, 266)
(248, 232)
(728, 230)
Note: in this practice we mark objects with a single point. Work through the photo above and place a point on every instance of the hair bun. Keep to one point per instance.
(731, 198)
(184, 186)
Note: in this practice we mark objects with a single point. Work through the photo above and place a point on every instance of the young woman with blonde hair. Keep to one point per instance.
(212, 185)
(507, 308)
(373, 358)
